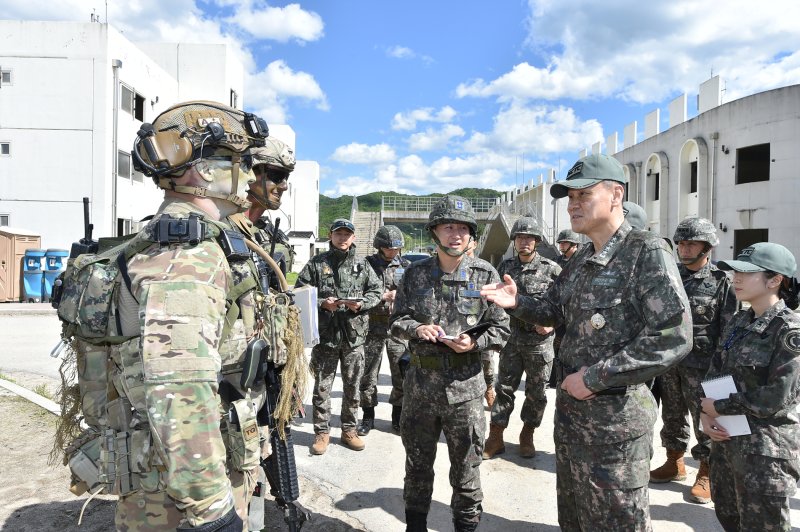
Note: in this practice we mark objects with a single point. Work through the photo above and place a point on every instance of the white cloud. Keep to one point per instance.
(408, 121)
(434, 139)
(268, 90)
(356, 153)
(280, 24)
(647, 51)
(404, 52)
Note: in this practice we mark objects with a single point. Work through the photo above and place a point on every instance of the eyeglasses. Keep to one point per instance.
(273, 174)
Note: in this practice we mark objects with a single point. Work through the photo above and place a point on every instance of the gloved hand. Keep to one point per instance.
(230, 522)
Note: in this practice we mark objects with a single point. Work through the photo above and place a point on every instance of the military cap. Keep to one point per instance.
(635, 215)
(342, 223)
(764, 256)
(589, 171)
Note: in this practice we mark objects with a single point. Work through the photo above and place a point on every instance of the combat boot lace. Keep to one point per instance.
(321, 441)
(350, 439)
(672, 469)
(396, 412)
(489, 396)
(701, 491)
(367, 422)
(526, 447)
(494, 443)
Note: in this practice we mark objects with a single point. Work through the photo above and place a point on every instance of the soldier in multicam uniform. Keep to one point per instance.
(179, 287)
(389, 266)
(628, 320)
(437, 302)
(568, 243)
(753, 476)
(713, 303)
(347, 288)
(529, 348)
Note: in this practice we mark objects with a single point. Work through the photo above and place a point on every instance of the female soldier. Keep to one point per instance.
(753, 476)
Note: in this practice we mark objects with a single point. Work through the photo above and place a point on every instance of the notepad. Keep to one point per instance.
(722, 388)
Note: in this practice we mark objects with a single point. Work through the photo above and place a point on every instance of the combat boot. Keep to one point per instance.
(701, 491)
(526, 447)
(494, 443)
(416, 521)
(396, 412)
(321, 441)
(367, 422)
(466, 525)
(673, 469)
(489, 396)
(350, 439)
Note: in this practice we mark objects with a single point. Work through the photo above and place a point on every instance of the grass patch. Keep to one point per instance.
(43, 390)
(7, 378)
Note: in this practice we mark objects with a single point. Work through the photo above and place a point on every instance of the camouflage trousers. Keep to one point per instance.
(604, 487)
(751, 492)
(681, 391)
(536, 361)
(464, 427)
(324, 361)
(488, 358)
(373, 354)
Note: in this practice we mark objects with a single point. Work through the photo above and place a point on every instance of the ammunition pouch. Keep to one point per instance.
(83, 458)
(244, 445)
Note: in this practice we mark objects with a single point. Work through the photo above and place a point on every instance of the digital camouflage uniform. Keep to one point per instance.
(753, 477)
(448, 399)
(378, 336)
(627, 319)
(526, 349)
(171, 373)
(713, 304)
(342, 333)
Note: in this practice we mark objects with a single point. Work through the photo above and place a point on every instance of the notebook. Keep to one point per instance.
(721, 388)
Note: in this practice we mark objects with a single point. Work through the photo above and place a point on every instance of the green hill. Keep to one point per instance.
(332, 208)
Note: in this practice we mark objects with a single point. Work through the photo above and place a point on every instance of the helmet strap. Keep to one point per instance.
(452, 252)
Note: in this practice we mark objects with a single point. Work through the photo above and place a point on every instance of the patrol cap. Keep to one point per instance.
(761, 257)
(342, 223)
(589, 171)
(635, 215)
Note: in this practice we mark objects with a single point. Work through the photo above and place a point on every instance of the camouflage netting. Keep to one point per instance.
(68, 396)
(294, 374)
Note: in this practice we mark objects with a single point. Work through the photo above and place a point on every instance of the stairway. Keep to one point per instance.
(366, 224)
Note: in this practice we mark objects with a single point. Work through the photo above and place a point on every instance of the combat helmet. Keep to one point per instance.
(526, 225)
(272, 162)
(453, 209)
(696, 229)
(568, 235)
(213, 137)
(388, 236)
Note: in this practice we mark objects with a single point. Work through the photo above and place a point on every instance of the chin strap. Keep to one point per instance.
(451, 251)
(692, 260)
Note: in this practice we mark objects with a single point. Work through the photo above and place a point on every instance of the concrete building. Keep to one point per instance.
(736, 163)
(73, 95)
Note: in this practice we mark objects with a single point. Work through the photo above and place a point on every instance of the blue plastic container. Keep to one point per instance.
(32, 259)
(55, 259)
(32, 282)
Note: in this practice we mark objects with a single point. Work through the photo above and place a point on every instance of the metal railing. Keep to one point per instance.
(424, 204)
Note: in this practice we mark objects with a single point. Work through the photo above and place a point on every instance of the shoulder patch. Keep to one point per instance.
(792, 341)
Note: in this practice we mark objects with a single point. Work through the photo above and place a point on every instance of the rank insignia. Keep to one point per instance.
(597, 321)
(472, 320)
(701, 309)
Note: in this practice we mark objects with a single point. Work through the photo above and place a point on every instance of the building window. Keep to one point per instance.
(693, 177)
(747, 237)
(656, 185)
(124, 164)
(234, 99)
(5, 149)
(4, 220)
(5, 77)
(752, 164)
(131, 102)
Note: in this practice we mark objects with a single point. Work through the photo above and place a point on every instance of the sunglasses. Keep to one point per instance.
(273, 174)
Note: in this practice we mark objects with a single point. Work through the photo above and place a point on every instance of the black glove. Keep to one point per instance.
(230, 522)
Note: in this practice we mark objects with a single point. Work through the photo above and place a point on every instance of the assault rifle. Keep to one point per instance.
(84, 245)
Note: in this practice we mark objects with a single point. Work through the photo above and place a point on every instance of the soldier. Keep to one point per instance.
(713, 303)
(627, 320)
(179, 290)
(753, 477)
(438, 304)
(347, 289)
(488, 356)
(529, 348)
(389, 266)
(568, 243)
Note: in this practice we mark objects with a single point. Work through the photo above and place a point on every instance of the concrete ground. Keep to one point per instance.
(347, 490)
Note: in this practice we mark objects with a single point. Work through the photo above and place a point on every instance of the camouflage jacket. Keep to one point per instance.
(171, 378)
(390, 273)
(342, 275)
(562, 260)
(532, 278)
(627, 318)
(429, 296)
(763, 357)
(713, 304)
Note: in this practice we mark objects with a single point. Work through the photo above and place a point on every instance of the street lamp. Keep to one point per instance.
(419, 246)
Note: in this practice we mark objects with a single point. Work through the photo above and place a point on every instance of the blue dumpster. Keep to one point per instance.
(32, 275)
(54, 264)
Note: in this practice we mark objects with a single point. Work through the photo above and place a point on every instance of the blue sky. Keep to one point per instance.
(429, 96)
